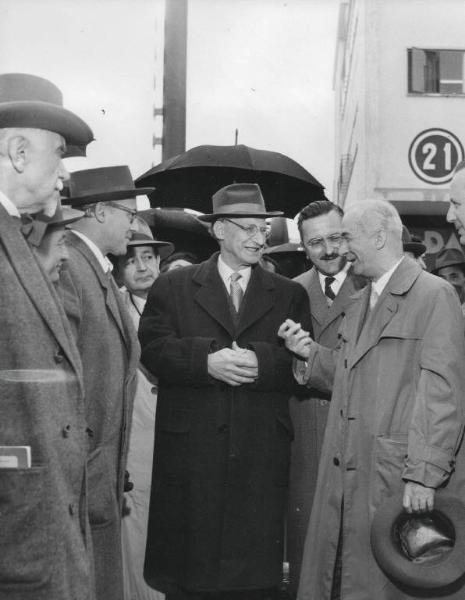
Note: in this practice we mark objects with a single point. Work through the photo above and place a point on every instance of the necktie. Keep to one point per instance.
(328, 291)
(235, 290)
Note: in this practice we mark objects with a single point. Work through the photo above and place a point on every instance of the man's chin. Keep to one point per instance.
(331, 267)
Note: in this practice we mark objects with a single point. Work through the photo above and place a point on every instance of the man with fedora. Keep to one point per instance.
(449, 264)
(396, 416)
(223, 431)
(109, 349)
(413, 247)
(44, 528)
(330, 285)
(137, 270)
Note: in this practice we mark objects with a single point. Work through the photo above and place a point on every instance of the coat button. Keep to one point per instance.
(71, 509)
(66, 431)
(58, 356)
(336, 461)
(90, 432)
(223, 428)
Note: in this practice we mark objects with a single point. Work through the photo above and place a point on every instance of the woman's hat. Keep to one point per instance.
(424, 551)
(90, 186)
(34, 102)
(239, 200)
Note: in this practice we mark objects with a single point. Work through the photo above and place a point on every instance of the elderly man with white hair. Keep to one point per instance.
(396, 414)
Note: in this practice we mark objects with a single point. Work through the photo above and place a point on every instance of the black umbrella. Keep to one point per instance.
(189, 180)
(181, 229)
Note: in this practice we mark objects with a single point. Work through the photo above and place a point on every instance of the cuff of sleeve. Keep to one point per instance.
(199, 361)
(431, 467)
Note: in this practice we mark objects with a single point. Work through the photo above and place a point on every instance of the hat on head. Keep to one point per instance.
(239, 200)
(34, 102)
(447, 258)
(424, 551)
(144, 239)
(34, 228)
(411, 243)
(90, 186)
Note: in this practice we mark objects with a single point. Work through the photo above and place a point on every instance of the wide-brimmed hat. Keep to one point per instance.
(412, 243)
(35, 227)
(103, 184)
(165, 249)
(448, 257)
(424, 551)
(239, 200)
(34, 102)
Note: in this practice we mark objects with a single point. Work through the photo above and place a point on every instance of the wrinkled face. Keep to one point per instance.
(44, 170)
(140, 269)
(241, 248)
(456, 212)
(358, 246)
(119, 225)
(455, 276)
(53, 252)
(321, 238)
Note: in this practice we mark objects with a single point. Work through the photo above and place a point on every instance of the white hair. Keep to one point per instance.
(374, 215)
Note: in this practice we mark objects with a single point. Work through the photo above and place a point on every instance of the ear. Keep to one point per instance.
(218, 230)
(380, 239)
(100, 212)
(18, 152)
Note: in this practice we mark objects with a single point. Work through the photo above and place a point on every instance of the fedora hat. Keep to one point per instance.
(448, 257)
(165, 249)
(412, 243)
(239, 200)
(34, 228)
(33, 102)
(424, 551)
(90, 186)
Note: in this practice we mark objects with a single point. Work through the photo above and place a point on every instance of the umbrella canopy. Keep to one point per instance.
(181, 229)
(189, 180)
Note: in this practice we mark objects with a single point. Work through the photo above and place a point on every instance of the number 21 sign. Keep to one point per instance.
(433, 155)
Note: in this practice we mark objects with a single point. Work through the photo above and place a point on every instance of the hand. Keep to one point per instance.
(297, 340)
(234, 367)
(418, 498)
(246, 352)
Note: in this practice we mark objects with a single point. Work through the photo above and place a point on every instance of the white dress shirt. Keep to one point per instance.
(226, 272)
(339, 279)
(103, 260)
(8, 205)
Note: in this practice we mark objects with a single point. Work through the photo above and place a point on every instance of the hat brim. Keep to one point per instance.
(105, 196)
(448, 264)
(165, 249)
(239, 215)
(287, 248)
(417, 248)
(44, 115)
(427, 574)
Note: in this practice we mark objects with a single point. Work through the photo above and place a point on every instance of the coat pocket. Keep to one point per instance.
(26, 553)
(388, 463)
(101, 490)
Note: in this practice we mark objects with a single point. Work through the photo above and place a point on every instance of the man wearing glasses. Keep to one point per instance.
(329, 285)
(222, 442)
(109, 350)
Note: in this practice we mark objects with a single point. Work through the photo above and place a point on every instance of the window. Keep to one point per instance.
(436, 71)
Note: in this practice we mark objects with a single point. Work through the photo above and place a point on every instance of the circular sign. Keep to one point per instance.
(433, 155)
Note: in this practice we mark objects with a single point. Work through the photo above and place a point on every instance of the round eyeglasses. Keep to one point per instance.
(251, 230)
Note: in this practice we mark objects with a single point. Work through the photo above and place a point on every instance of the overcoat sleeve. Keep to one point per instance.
(437, 419)
(175, 359)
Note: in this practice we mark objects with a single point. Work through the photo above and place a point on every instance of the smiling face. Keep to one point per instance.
(239, 248)
(140, 268)
(321, 238)
(53, 252)
(359, 246)
(456, 212)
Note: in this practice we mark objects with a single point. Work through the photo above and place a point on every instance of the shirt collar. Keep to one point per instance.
(382, 282)
(339, 278)
(106, 264)
(225, 273)
(8, 205)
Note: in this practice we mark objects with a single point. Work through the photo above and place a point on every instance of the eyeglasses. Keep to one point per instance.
(131, 211)
(335, 239)
(251, 230)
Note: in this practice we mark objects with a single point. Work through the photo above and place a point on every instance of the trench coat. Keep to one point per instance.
(221, 460)
(108, 345)
(396, 414)
(309, 413)
(44, 539)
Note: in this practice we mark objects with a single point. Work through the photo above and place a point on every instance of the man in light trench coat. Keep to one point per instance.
(396, 415)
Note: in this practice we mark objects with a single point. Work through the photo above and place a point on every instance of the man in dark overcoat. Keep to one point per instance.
(330, 285)
(109, 349)
(223, 431)
(44, 539)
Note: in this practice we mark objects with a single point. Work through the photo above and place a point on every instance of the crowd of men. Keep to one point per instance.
(258, 418)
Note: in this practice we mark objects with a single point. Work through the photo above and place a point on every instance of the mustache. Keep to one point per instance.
(330, 256)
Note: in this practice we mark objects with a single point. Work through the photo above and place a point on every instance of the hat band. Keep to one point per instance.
(241, 207)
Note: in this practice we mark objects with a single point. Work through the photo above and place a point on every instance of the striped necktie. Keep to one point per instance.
(236, 290)
(328, 290)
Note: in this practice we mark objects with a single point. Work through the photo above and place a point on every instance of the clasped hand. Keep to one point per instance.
(297, 340)
(234, 366)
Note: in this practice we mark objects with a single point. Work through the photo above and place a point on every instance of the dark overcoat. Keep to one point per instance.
(309, 413)
(109, 349)
(43, 521)
(396, 414)
(221, 458)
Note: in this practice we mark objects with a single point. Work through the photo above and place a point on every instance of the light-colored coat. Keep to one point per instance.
(109, 349)
(309, 413)
(43, 521)
(396, 414)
